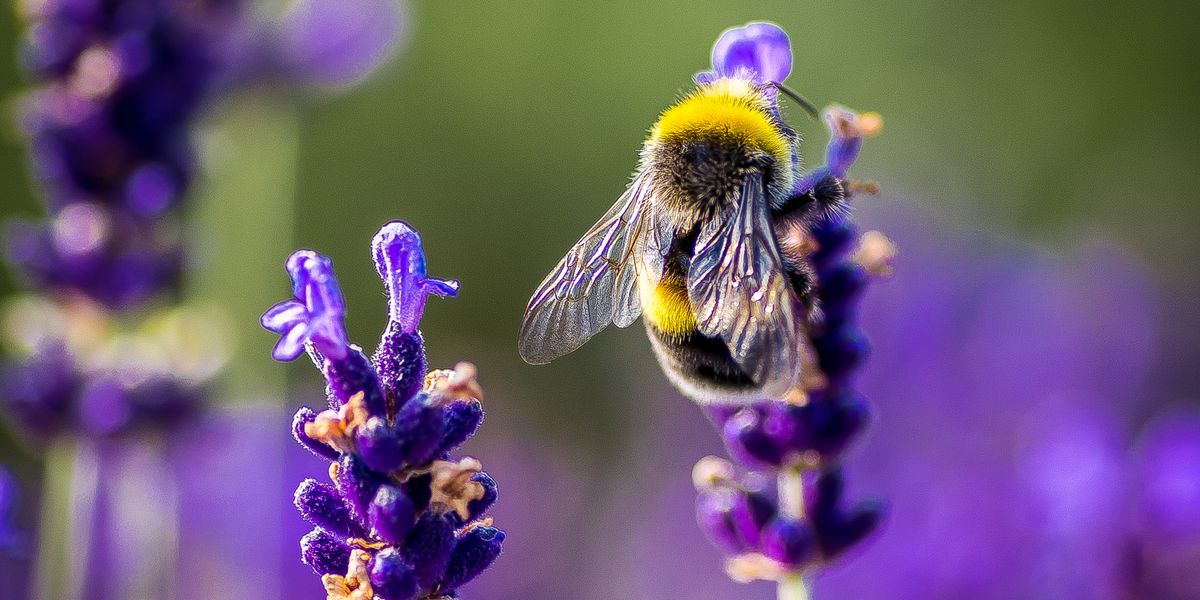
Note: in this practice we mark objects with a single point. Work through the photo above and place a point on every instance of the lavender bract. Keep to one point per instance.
(798, 439)
(400, 519)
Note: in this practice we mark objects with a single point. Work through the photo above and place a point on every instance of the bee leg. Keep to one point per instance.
(826, 198)
(802, 277)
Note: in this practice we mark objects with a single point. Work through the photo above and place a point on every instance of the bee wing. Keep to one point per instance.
(593, 285)
(738, 289)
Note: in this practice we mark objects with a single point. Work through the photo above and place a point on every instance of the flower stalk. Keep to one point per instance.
(400, 518)
(799, 439)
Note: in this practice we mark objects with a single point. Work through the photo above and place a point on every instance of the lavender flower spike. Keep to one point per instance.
(799, 439)
(401, 519)
(401, 263)
(315, 314)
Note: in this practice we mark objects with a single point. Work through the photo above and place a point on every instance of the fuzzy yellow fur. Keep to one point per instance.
(727, 110)
(667, 308)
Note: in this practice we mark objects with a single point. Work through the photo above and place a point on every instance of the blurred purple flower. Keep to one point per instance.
(400, 518)
(339, 43)
(109, 131)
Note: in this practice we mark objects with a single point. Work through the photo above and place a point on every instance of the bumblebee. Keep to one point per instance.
(693, 247)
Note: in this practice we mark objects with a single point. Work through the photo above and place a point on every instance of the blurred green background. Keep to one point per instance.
(504, 130)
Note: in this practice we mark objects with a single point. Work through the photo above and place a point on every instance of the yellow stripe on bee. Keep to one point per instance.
(666, 306)
(725, 110)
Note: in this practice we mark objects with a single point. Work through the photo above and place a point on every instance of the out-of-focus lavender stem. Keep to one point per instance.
(790, 485)
(67, 521)
(247, 214)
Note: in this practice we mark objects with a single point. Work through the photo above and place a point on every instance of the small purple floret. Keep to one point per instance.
(315, 314)
(401, 263)
(758, 51)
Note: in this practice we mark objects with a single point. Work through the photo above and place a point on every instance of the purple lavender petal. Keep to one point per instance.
(401, 263)
(283, 316)
(315, 285)
(760, 50)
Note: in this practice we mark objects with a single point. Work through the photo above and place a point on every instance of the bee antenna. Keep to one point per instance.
(808, 107)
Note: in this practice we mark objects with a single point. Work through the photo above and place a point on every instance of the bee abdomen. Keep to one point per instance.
(699, 363)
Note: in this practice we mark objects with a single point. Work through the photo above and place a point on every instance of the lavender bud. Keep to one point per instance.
(841, 352)
(321, 505)
(473, 553)
(391, 577)
(714, 513)
(788, 541)
(392, 514)
(357, 485)
(490, 492)
(324, 552)
(849, 530)
(751, 512)
(381, 445)
(352, 374)
(427, 547)
(462, 419)
(400, 360)
(420, 426)
(834, 420)
(302, 417)
(748, 442)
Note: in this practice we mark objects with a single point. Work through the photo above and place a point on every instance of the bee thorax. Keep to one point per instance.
(703, 177)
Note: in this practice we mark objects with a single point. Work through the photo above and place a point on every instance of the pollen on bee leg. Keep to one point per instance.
(876, 253)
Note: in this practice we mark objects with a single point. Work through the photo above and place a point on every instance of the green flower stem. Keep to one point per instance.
(244, 217)
(792, 586)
